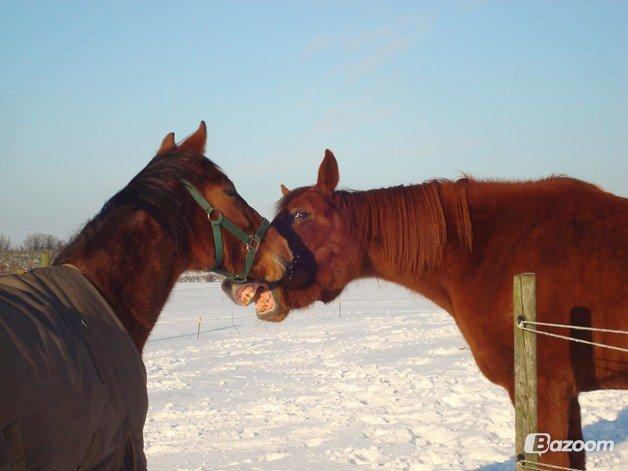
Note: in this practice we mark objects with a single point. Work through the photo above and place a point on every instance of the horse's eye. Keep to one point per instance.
(230, 192)
(300, 216)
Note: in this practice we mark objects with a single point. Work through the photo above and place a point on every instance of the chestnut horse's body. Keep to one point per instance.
(460, 244)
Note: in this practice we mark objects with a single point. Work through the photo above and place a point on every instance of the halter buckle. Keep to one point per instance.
(253, 243)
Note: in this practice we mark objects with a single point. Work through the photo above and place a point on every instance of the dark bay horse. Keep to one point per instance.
(460, 244)
(73, 386)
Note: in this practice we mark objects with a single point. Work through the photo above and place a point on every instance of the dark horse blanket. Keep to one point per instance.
(72, 383)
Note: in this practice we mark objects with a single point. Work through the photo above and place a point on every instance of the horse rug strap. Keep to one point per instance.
(217, 220)
(72, 384)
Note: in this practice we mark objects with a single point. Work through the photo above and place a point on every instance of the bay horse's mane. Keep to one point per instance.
(409, 222)
(155, 190)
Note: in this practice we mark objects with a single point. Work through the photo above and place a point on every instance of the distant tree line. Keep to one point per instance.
(5, 243)
(33, 243)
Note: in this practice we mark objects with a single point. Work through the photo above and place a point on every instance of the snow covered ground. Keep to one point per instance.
(384, 380)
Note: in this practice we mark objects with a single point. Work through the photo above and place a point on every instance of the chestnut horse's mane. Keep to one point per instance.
(153, 190)
(409, 222)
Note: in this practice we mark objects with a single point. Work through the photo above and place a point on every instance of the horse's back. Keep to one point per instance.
(73, 392)
(589, 234)
(571, 231)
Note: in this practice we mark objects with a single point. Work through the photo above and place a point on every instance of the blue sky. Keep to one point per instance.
(400, 91)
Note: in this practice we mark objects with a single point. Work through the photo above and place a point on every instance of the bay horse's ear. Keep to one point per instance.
(196, 141)
(167, 144)
(284, 190)
(328, 175)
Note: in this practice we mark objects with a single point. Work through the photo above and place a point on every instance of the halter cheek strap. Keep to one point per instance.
(218, 221)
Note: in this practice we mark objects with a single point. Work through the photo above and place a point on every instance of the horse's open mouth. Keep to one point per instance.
(243, 293)
(268, 305)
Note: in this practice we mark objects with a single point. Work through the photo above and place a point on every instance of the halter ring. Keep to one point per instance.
(215, 216)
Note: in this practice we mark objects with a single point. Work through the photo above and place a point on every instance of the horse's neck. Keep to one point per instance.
(134, 268)
(436, 280)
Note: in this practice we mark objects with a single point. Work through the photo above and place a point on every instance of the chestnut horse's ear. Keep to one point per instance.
(195, 142)
(167, 144)
(284, 190)
(328, 175)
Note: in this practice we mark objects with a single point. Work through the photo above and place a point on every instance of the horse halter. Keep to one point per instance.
(217, 220)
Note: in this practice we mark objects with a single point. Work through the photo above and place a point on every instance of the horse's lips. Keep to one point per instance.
(242, 294)
(265, 304)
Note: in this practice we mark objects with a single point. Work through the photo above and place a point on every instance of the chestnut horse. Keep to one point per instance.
(69, 400)
(460, 244)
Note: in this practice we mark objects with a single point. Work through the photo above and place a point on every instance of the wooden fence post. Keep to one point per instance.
(45, 259)
(524, 309)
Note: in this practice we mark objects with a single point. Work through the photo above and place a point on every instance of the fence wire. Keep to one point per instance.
(234, 318)
(521, 325)
(543, 466)
(576, 327)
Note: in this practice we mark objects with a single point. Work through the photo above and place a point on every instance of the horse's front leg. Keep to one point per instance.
(559, 416)
(578, 458)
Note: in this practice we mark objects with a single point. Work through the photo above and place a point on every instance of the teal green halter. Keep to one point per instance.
(217, 220)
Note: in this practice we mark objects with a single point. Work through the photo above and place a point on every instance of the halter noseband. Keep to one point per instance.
(217, 220)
